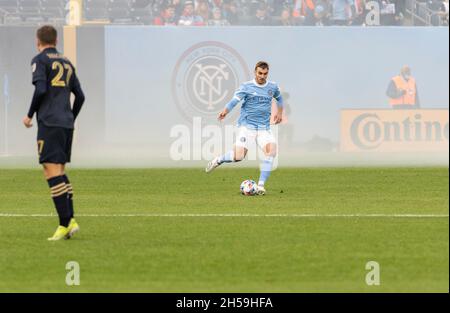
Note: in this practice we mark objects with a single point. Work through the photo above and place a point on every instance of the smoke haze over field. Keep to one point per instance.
(153, 94)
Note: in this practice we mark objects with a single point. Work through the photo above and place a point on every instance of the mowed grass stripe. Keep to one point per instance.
(240, 215)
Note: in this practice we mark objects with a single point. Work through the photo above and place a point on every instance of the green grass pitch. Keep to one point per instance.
(194, 232)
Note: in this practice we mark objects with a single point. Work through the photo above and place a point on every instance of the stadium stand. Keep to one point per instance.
(237, 12)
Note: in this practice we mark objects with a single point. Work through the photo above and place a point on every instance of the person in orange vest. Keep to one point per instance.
(307, 11)
(402, 91)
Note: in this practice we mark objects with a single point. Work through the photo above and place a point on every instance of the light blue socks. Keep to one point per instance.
(266, 168)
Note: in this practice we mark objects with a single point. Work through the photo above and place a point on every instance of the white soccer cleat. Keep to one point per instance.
(260, 190)
(212, 164)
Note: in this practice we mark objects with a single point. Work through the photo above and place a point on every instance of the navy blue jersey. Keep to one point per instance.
(58, 73)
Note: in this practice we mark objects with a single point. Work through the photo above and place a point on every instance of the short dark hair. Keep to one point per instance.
(47, 35)
(262, 64)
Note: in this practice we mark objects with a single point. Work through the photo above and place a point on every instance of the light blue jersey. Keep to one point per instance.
(256, 103)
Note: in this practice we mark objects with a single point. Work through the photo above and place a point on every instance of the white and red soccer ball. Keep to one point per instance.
(249, 187)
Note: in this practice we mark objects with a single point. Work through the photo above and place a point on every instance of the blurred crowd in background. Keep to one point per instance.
(232, 12)
(287, 12)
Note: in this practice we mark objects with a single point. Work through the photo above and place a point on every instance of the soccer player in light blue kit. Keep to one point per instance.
(254, 122)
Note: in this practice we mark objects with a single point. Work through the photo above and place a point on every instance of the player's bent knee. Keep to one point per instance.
(239, 154)
(239, 157)
(271, 150)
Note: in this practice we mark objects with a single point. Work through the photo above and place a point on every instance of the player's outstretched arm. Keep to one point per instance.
(239, 95)
(222, 114)
(230, 105)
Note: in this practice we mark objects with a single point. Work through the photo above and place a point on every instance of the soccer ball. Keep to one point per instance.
(248, 187)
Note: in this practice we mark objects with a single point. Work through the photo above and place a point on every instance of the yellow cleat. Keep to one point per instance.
(73, 228)
(60, 233)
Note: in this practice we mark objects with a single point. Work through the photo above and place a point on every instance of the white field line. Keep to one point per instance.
(237, 215)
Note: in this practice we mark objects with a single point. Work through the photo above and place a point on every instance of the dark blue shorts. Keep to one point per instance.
(54, 144)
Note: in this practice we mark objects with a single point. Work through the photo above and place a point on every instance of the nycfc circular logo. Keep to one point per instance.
(205, 79)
